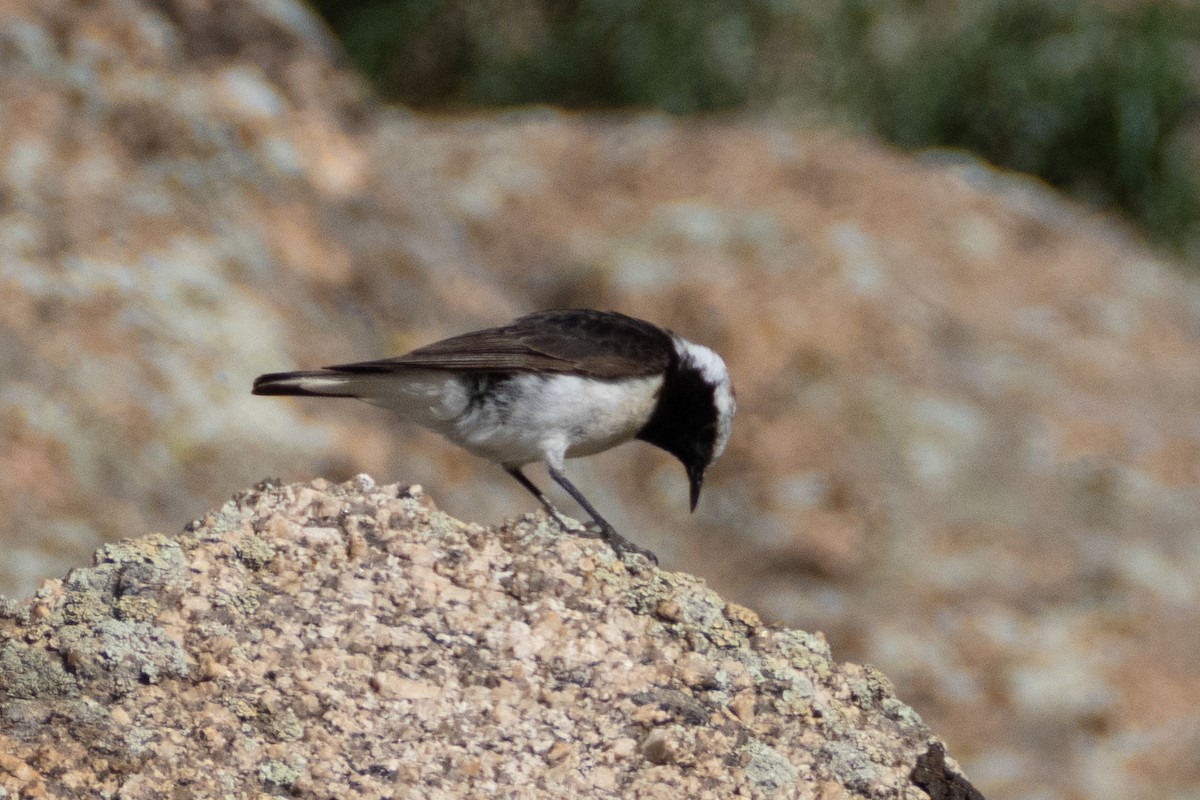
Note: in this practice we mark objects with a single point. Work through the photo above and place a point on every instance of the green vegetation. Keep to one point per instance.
(1091, 100)
(577, 53)
(1099, 99)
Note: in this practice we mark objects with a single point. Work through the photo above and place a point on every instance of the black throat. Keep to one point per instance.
(684, 422)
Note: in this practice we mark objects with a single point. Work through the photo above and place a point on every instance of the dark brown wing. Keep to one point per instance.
(601, 344)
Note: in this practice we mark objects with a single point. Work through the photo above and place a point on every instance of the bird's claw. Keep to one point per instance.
(623, 546)
(596, 530)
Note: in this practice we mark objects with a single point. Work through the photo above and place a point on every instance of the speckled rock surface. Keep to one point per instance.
(351, 640)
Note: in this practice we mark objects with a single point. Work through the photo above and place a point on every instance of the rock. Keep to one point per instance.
(351, 640)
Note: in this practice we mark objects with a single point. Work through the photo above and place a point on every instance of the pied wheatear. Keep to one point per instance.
(547, 387)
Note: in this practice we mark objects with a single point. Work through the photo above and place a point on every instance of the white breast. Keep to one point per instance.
(548, 417)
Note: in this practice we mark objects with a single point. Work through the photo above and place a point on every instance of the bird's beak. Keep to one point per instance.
(696, 478)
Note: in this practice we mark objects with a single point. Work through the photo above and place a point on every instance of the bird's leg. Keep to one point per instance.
(618, 542)
(536, 492)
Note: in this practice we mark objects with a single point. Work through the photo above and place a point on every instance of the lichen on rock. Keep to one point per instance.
(351, 640)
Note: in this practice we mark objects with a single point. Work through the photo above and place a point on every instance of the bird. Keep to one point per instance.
(551, 385)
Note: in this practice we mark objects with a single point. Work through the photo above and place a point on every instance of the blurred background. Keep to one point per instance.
(1097, 98)
(947, 249)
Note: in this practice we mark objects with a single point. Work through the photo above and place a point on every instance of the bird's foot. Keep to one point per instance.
(597, 530)
(621, 545)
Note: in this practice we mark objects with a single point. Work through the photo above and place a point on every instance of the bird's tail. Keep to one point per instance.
(318, 383)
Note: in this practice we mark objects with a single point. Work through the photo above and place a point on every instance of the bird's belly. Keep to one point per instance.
(548, 417)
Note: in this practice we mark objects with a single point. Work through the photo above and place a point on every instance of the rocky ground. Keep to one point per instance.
(314, 640)
(969, 412)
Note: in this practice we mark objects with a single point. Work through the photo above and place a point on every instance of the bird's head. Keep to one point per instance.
(694, 414)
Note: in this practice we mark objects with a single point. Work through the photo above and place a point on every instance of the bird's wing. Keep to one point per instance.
(601, 344)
